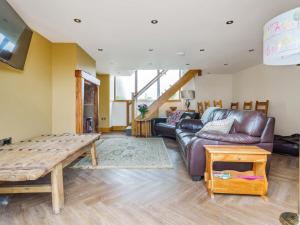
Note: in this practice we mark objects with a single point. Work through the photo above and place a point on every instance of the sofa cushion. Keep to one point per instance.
(238, 138)
(219, 126)
(248, 122)
(207, 114)
(174, 117)
(185, 140)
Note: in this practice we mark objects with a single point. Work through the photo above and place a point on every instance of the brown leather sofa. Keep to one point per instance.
(249, 128)
(160, 127)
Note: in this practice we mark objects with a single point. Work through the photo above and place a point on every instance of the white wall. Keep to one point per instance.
(118, 112)
(280, 85)
(214, 87)
(208, 87)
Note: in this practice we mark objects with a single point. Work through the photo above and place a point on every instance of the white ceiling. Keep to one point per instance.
(123, 29)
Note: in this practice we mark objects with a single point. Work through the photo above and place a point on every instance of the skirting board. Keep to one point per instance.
(113, 128)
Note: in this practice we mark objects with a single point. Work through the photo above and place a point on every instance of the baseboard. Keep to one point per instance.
(105, 129)
(118, 128)
(113, 128)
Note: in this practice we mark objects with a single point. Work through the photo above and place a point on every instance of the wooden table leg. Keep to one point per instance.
(94, 155)
(57, 188)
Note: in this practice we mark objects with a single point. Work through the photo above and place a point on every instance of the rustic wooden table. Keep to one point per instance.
(237, 184)
(143, 128)
(34, 158)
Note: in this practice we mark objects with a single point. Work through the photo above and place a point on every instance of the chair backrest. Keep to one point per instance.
(248, 105)
(234, 105)
(218, 103)
(200, 108)
(262, 107)
(206, 104)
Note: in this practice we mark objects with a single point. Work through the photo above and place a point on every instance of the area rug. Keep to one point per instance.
(129, 153)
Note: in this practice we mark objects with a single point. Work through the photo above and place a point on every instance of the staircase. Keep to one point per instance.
(155, 105)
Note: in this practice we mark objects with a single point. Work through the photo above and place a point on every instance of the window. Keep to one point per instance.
(143, 78)
(124, 87)
(168, 80)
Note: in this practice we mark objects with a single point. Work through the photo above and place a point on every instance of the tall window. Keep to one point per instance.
(124, 86)
(168, 80)
(143, 78)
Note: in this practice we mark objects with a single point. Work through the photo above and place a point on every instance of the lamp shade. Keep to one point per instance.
(282, 39)
(188, 94)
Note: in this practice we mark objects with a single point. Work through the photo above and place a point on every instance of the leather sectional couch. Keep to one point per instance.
(160, 127)
(249, 128)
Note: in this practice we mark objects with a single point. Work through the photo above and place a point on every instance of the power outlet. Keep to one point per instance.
(5, 141)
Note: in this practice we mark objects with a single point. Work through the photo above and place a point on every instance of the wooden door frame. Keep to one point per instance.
(81, 78)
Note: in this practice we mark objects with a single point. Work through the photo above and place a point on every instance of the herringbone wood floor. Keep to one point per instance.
(150, 197)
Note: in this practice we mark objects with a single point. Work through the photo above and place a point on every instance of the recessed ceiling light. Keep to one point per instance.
(154, 21)
(76, 20)
(150, 49)
(225, 64)
(100, 49)
(202, 50)
(251, 50)
(229, 22)
(180, 53)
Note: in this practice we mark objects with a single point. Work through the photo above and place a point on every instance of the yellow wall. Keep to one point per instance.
(85, 62)
(25, 96)
(64, 63)
(66, 58)
(104, 101)
(41, 98)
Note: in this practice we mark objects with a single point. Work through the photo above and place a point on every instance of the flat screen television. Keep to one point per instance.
(15, 37)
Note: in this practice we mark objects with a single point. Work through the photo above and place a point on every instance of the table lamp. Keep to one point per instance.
(188, 95)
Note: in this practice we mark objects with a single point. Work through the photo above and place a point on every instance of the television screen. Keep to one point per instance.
(15, 37)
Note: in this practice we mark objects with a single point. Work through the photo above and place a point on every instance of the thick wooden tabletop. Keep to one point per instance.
(33, 158)
(236, 149)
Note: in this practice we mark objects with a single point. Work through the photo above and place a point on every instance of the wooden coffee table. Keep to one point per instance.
(34, 158)
(237, 184)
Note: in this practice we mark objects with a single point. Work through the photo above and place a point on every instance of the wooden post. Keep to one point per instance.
(133, 128)
(94, 155)
(57, 188)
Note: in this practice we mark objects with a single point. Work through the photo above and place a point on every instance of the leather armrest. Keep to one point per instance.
(268, 133)
(190, 124)
(237, 138)
(158, 120)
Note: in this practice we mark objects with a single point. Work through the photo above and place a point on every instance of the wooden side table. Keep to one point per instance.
(237, 184)
(143, 128)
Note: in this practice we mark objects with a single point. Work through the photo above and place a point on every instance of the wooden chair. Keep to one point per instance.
(248, 105)
(218, 103)
(234, 105)
(200, 108)
(206, 104)
(262, 107)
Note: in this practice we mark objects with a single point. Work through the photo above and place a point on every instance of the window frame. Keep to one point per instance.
(136, 88)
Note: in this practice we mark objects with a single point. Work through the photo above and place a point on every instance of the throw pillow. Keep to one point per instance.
(207, 113)
(218, 126)
(174, 117)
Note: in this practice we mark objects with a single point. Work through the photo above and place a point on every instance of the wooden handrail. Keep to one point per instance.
(171, 91)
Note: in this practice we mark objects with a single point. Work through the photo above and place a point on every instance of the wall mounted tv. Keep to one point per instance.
(15, 37)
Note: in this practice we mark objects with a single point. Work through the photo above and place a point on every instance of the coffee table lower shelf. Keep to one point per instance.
(236, 185)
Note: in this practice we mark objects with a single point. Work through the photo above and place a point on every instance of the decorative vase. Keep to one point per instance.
(142, 115)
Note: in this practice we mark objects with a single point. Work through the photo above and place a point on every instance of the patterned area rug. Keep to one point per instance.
(129, 153)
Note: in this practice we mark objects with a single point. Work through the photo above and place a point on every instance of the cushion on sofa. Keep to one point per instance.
(174, 117)
(218, 126)
(237, 138)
